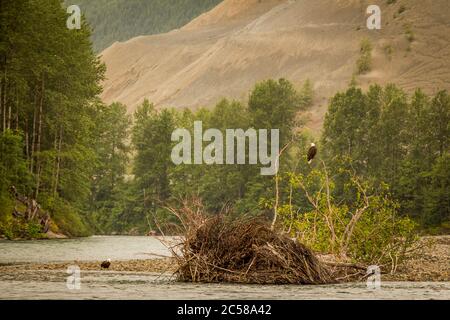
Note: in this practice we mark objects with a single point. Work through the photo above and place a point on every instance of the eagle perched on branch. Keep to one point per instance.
(312, 153)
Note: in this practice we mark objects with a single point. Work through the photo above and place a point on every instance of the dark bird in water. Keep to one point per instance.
(312, 152)
(106, 264)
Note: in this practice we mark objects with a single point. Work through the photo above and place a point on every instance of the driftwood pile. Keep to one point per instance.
(244, 250)
(32, 212)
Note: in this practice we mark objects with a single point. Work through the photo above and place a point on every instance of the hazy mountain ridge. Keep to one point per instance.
(120, 20)
(224, 52)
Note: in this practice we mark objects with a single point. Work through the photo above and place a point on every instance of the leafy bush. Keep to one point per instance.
(6, 207)
(13, 167)
(409, 34)
(19, 229)
(67, 218)
(365, 229)
(364, 63)
(388, 51)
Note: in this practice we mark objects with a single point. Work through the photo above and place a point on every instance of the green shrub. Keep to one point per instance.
(409, 34)
(388, 51)
(364, 63)
(68, 219)
(6, 206)
(366, 229)
(20, 229)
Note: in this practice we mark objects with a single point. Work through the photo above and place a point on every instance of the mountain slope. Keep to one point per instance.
(224, 52)
(120, 20)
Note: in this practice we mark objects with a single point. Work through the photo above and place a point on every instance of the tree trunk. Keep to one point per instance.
(17, 110)
(33, 133)
(4, 98)
(27, 140)
(58, 161)
(8, 123)
(1, 102)
(55, 148)
(113, 152)
(38, 138)
(38, 181)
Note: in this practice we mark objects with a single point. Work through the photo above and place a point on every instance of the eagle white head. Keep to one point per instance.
(109, 260)
(313, 144)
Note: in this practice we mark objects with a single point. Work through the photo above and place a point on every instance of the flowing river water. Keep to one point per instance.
(51, 284)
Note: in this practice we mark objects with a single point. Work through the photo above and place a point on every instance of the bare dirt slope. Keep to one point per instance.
(224, 52)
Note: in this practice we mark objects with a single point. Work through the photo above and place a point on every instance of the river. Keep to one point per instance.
(33, 284)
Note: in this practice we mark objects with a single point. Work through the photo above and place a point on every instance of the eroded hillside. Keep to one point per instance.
(224, 52)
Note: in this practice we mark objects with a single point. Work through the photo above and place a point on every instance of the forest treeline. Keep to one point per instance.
(97, 169)
(397, 144)
(121, 20)
(138, 200)
(394, 139)
(49, 142)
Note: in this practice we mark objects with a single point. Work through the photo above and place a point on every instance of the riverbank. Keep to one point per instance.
(49, 235)
(430, 263)
(148, 265)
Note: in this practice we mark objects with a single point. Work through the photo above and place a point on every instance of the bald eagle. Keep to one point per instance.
(312, 153)
(106, 264)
